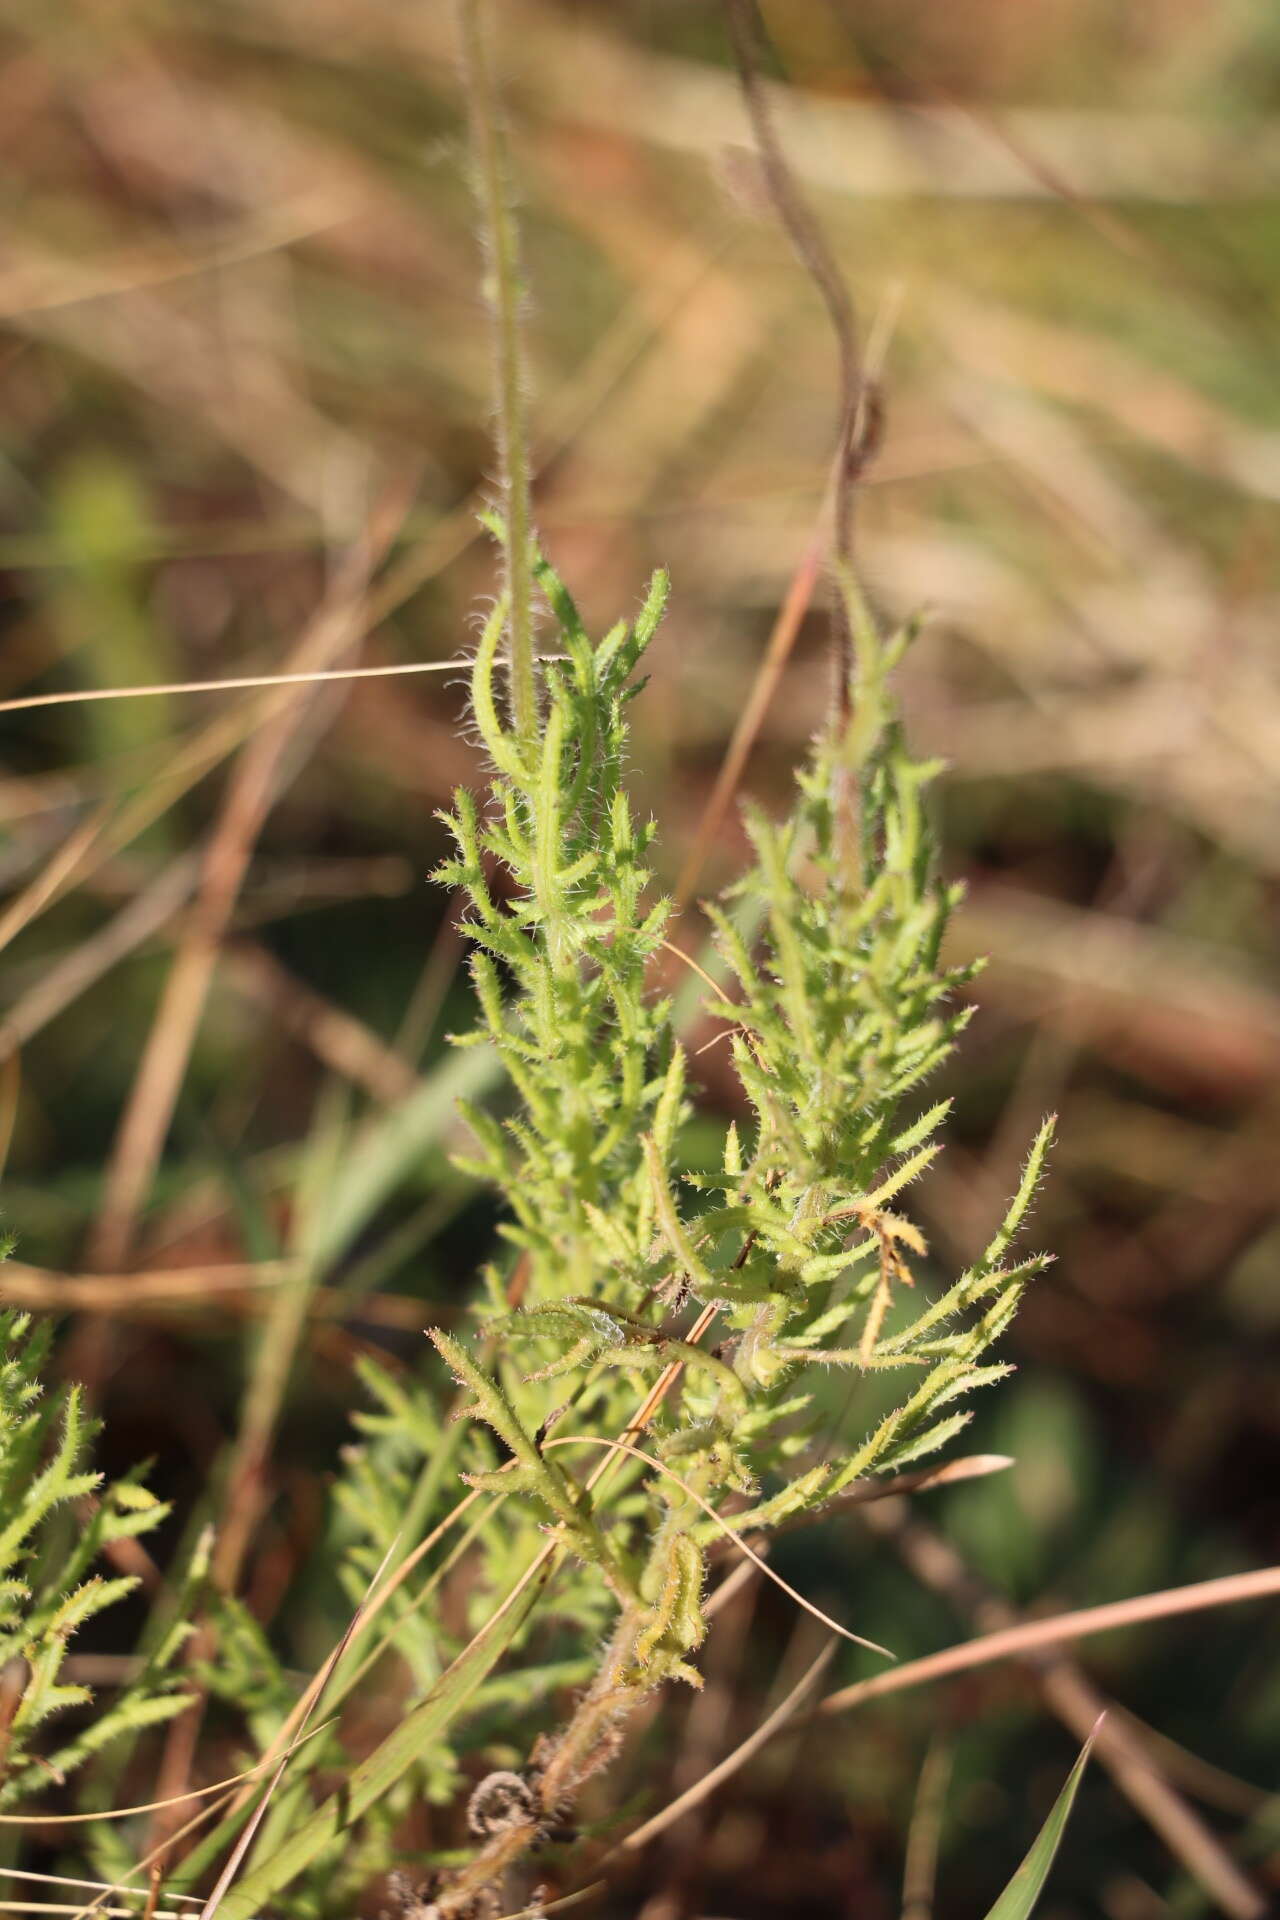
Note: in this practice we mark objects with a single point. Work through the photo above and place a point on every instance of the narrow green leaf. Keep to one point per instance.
(376, 1775)
(394, 1146)
(1027, 1884)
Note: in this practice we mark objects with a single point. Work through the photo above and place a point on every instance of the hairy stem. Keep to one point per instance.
(497, 219)
(559, 1769)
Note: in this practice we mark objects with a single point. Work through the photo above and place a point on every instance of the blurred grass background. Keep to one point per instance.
(243, 429)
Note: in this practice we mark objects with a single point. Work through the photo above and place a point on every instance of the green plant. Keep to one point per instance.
(624, 1260)
(837, 1014)
(57, 1520)
(1024, 1889)
(682, 1315)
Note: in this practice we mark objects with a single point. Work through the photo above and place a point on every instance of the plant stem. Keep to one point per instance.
(859, 421)
(498, 227)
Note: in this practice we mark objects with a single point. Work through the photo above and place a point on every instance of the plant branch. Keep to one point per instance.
(493, 197)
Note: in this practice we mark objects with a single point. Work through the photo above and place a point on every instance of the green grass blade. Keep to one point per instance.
(393, 1146)
(376, 1775)
(1027, 1884)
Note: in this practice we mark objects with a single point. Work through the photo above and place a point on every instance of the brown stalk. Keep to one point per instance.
(854, 450)
(237, 1287)
(855, 433)
(750, 720)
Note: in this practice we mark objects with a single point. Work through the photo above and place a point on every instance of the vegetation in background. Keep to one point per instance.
(59, 1521)
(222, 259)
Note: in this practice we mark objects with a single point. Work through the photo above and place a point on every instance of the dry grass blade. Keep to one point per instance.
(151, 1862)
(251, 791)
(49, 882)
(732, 1762)
(146, 1806)
(80, 695)
(853, 447)
(117, 1292)
(782, 639)
(287, 1734)
(781, 642)
(62, 983)
(107, 830)
(237, 1287)
(1228, 1591)
(687, 960)
(373, 1777)
(290, 1738)
(660, 1466)
(96, 1886)
(108, 1913)
(316, 1690)
(1195, 1775)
